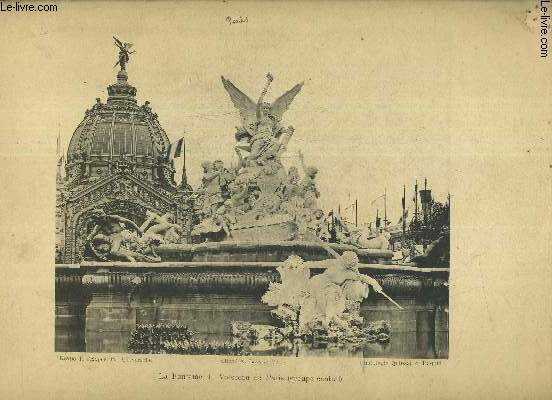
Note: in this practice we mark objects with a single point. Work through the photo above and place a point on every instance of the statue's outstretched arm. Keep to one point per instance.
(370, 281)
(148, 221)
(129, 222)
(319, 264)
(93, 233)
(209, 176)
(269, 79)
(331, 251)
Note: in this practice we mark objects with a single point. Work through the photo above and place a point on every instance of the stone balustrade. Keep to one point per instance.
(214, 276)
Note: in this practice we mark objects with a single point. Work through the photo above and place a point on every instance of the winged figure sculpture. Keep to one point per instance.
(259, 115)
(124, 53)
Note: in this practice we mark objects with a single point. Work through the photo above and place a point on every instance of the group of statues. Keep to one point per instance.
(258, 188)
(115, 238)
(327, 303)
(256, 191)
(365, 236)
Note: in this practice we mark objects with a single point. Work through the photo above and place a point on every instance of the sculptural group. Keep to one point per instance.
(234, 202)
(115, 238)
(258, 191)
(325, 306)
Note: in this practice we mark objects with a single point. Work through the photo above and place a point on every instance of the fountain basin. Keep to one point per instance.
(263, 251)
(98, 304)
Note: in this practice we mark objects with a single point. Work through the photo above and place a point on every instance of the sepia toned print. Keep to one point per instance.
(248, 262)
(276, 200)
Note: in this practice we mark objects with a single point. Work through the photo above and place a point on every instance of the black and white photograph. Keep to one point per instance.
(284, 199)
(256, 254)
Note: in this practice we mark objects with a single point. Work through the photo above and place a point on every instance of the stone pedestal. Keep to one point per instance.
(111, 313)
(97, 306)
(204, 313)
(441, 331)
(70, 304)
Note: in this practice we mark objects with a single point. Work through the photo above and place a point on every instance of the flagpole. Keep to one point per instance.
(416, 201)
(403, 216)
(339, 213)
(331, 225)
(385, 209)
(59, 158)
(184, 178)
(356, 212)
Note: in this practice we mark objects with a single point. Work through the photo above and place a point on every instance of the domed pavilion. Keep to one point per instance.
(118, 161)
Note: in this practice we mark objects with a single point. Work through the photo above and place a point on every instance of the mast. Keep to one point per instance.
(339, 217)
(416, 201)
(385, 208)
(425, 197)
(403, 212)
(356, 212)
(59, 158)
(331, 226)
(184, 179)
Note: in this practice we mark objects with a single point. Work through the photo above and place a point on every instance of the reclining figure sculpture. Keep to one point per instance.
(115, 238)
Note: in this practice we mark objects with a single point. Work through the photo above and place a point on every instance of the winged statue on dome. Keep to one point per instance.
(124, 53)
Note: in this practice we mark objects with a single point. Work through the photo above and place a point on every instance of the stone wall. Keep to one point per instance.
(98, 304)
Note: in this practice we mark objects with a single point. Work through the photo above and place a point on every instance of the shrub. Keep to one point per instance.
(176, 339)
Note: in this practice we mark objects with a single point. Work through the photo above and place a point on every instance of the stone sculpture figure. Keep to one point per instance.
(368, 238)
(107, 237)
(292, 201)
(216, 223)
(327, 302)
(226, 177)
(308, 184)
(329, 291)
(291, 186)
(124, 53)
(318, 225)
(261, 121)
(211, 188)
(160, 228)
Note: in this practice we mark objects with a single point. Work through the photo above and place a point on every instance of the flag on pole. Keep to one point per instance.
(175, 149)
(405, 217)
(59, 152)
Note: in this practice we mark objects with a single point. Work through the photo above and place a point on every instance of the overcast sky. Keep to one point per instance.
(387, 97)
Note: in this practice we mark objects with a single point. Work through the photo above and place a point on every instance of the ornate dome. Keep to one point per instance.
(115, 135)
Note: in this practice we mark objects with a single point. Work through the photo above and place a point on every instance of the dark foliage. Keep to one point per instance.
(438, 221)
(204, 348)
(150, 338)
(176, 339)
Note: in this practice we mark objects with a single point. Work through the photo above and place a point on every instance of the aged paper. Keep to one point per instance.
(113, 222)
